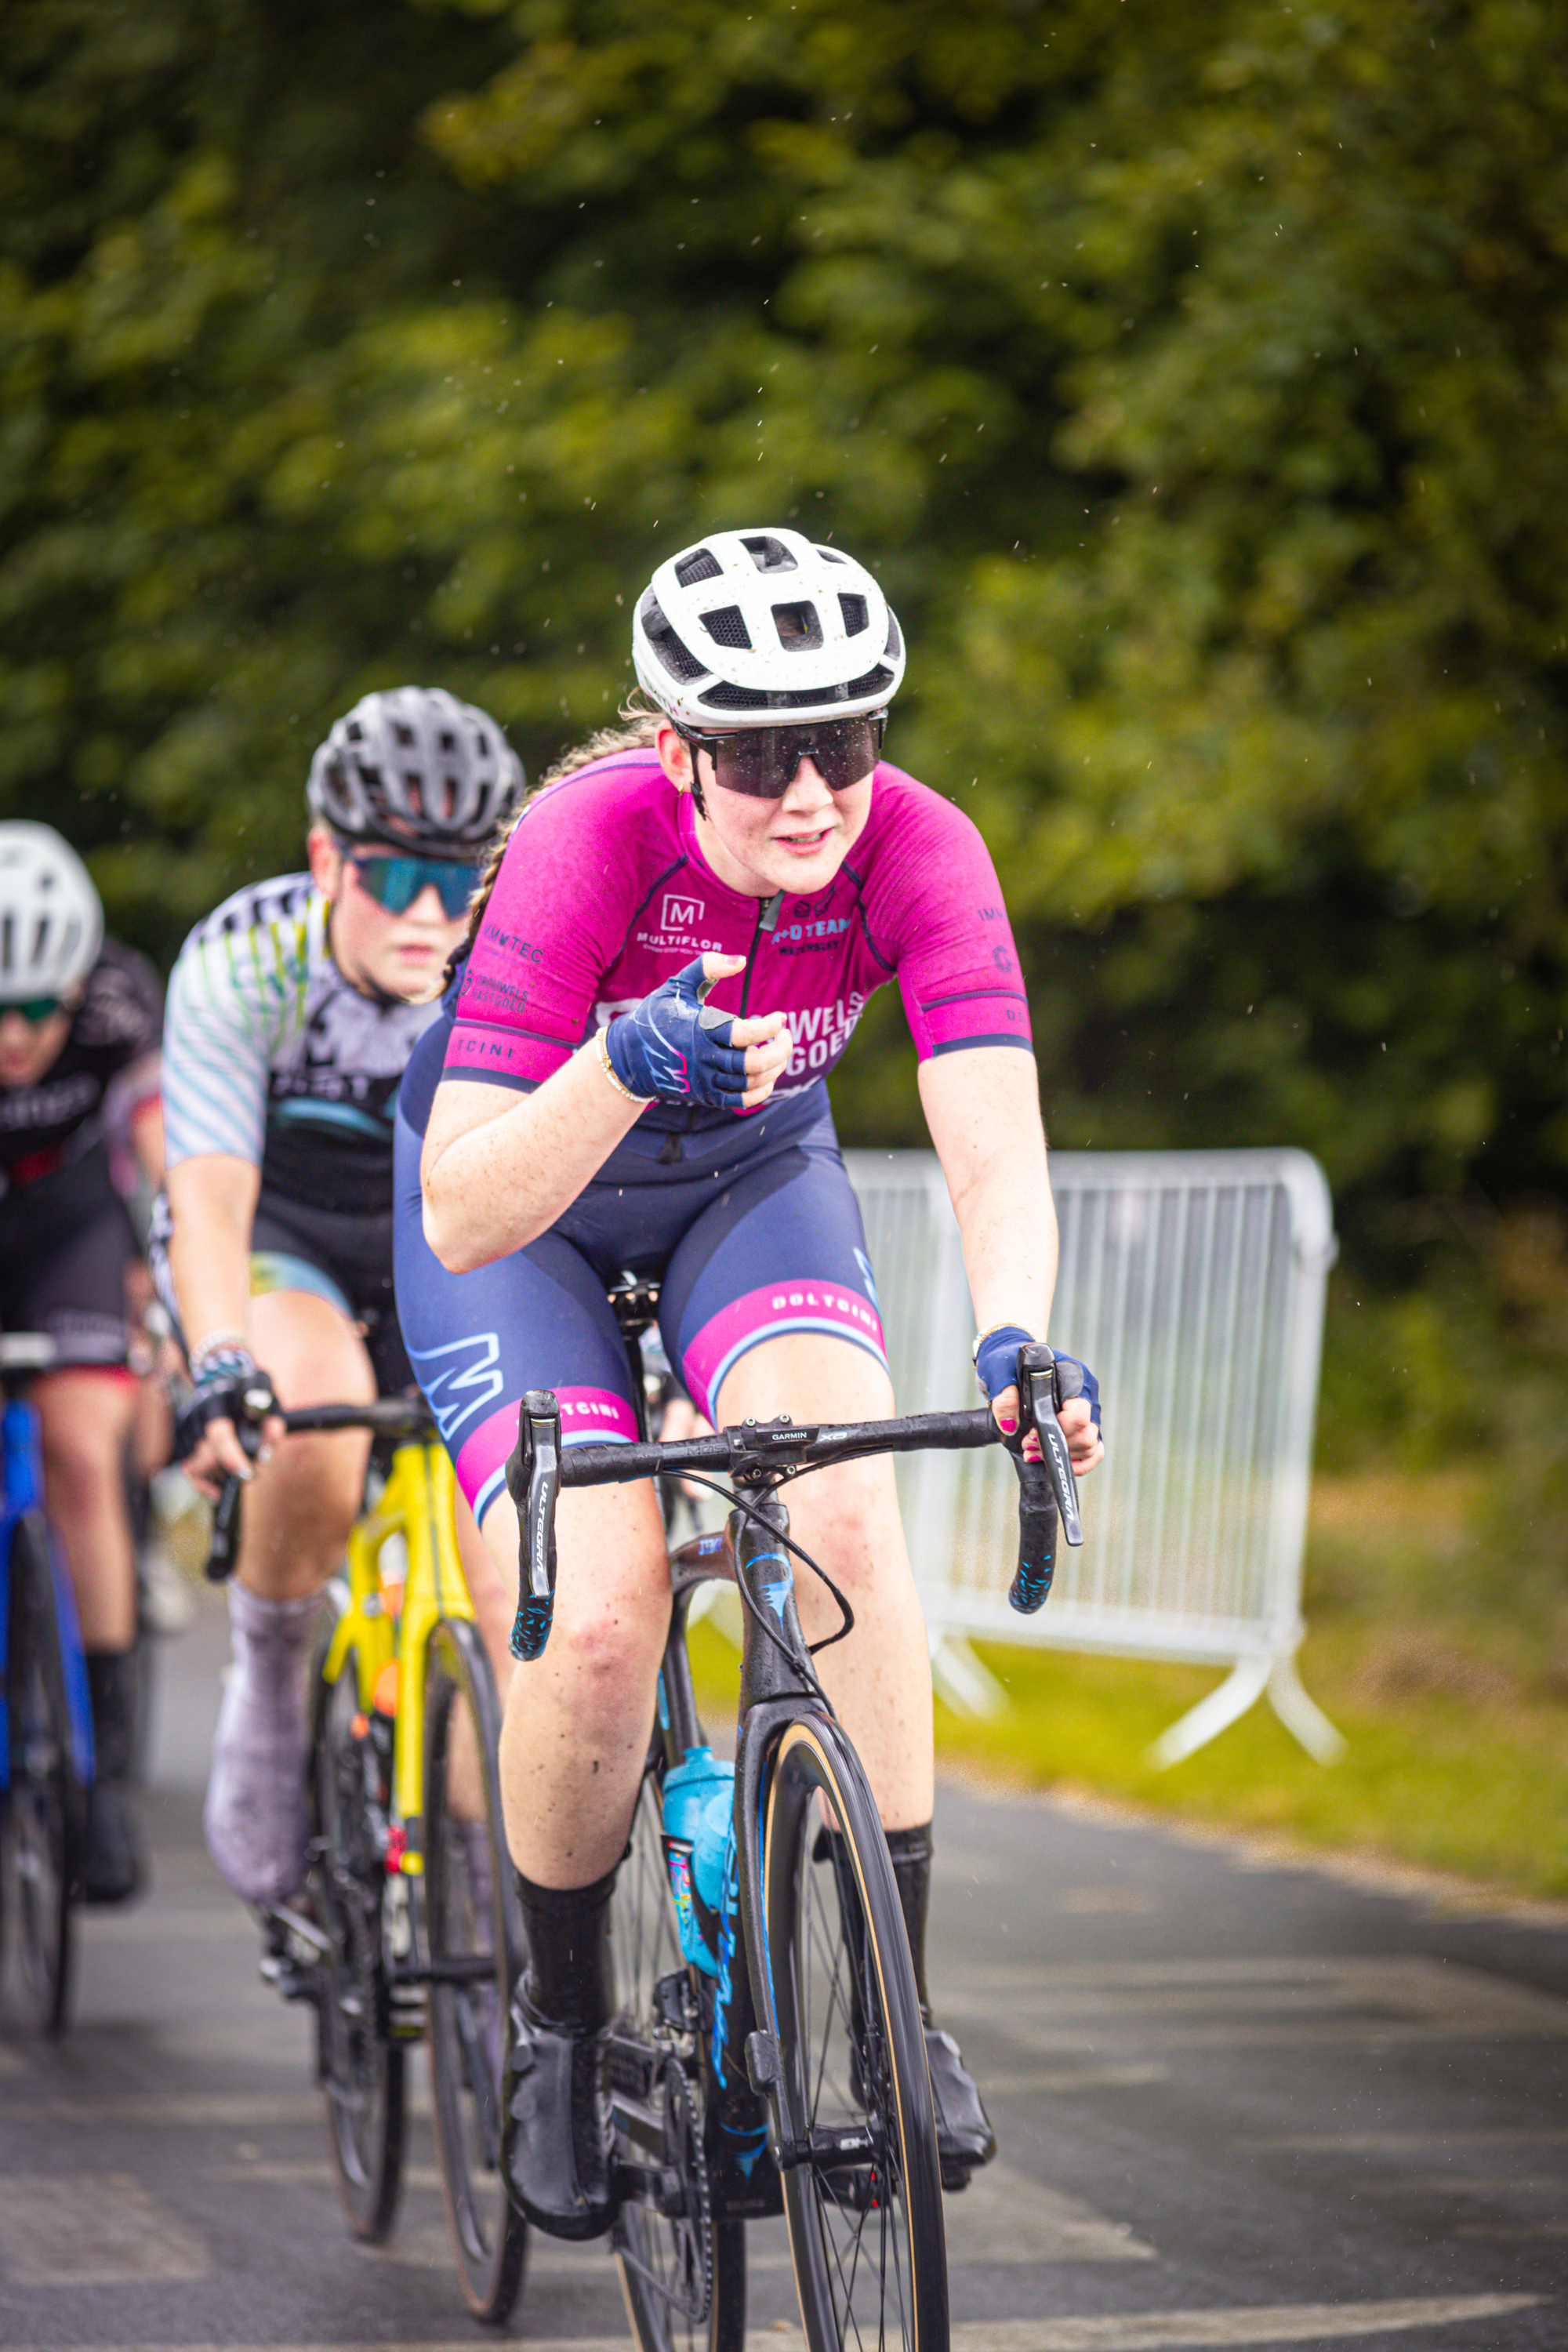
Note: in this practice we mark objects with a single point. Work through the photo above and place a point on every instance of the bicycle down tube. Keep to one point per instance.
(778, 1681)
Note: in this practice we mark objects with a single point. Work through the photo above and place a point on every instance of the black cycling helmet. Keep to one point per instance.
(418, 770)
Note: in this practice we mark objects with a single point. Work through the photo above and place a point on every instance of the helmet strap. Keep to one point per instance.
(695, 786)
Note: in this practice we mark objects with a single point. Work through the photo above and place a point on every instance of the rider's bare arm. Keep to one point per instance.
(982, 1109)
(212, 1198)
(499, 1167)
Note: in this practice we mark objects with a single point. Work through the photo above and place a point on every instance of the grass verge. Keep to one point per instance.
(1457, 1717)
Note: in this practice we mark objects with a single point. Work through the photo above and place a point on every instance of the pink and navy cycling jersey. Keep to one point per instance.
(749, 1224)
(604, 893)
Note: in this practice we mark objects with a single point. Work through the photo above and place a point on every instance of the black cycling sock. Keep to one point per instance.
(568, 1951)
(112, 1686)
(910, 1851)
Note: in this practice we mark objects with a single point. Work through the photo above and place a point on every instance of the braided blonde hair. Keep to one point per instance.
(637, 732)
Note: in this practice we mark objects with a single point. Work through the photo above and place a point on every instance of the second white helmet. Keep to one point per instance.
(759, 628)
(51, 918)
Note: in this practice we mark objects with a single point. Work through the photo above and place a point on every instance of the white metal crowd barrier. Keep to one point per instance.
(1193, 1283)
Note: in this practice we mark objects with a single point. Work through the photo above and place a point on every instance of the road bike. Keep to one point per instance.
(409, 1926)
(46, 1712)
(794, 2074)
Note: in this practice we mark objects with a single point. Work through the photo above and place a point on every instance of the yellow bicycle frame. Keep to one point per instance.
(417, 1503)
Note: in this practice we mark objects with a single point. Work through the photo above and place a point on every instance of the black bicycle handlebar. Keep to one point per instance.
(756, 1452)
(407, 1418)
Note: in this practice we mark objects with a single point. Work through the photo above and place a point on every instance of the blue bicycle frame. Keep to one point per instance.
(23, 1474)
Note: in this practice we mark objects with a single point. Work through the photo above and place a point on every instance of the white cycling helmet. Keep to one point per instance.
(51, 918)
(417, 769)
(763, 628)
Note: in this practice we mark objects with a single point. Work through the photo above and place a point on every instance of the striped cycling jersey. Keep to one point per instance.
(271, 1056)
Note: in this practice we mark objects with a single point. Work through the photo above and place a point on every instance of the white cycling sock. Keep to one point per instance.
(256, 1818)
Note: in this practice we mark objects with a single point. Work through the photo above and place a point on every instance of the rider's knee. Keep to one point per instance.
(83, 1446)
(852, 1525)
(610, 1638)
(308, 1501)
(312, 1352)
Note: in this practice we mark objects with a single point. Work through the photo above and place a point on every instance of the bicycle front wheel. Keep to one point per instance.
(475, 1940)
(683, 2273)
(45, 1797)
(863, 2201)
(361, 2066)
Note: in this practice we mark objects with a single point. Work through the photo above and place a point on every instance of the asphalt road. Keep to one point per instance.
(1239, 2105)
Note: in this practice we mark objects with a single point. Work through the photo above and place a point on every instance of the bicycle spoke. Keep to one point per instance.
(682, 2275)
(363, 2069)
(468, 1924)
(869, 2262)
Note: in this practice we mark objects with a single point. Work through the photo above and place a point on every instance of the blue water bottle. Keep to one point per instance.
(698, 1812)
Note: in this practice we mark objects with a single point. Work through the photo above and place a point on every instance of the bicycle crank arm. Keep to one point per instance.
(478, 1967)
(639, 2122)
(282, 1923)
(658, 2185)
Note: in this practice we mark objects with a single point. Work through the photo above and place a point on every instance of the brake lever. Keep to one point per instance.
(222, 1551)
(225, 1544)
(1045, 1487)
(533, 1481)
(1040, 1394)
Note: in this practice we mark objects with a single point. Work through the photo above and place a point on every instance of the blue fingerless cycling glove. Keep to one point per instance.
(996, 1367)
(1090, 1389)
(996, 1359)
(675, 1048)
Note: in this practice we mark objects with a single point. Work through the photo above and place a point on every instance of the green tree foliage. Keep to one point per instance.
(1196, 379)
(201, 201)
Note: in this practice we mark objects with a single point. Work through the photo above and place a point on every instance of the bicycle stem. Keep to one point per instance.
(760, 1454)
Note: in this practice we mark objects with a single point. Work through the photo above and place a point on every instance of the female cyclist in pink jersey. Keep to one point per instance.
(673, 949)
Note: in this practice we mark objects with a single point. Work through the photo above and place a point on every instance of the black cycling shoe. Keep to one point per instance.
(110, 1861)
(964, 2138)
(111, 1866)
(555, 2134)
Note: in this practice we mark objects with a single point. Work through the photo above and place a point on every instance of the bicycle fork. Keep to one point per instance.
(777, 1685)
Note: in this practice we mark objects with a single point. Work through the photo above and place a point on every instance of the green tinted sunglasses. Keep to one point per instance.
(33, 1010)
(396, 882)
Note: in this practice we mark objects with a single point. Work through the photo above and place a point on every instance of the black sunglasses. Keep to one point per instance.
(33, 1010)
(396, 882)
(762, 761)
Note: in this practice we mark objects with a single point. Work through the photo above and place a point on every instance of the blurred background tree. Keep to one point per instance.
(1194, 377)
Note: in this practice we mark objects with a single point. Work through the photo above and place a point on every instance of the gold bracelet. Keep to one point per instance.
(601, 1039)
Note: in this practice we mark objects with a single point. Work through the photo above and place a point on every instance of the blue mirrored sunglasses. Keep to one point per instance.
(396, 882)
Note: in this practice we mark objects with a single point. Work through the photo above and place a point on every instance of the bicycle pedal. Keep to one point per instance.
(676, 2003)
(287, 1979)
